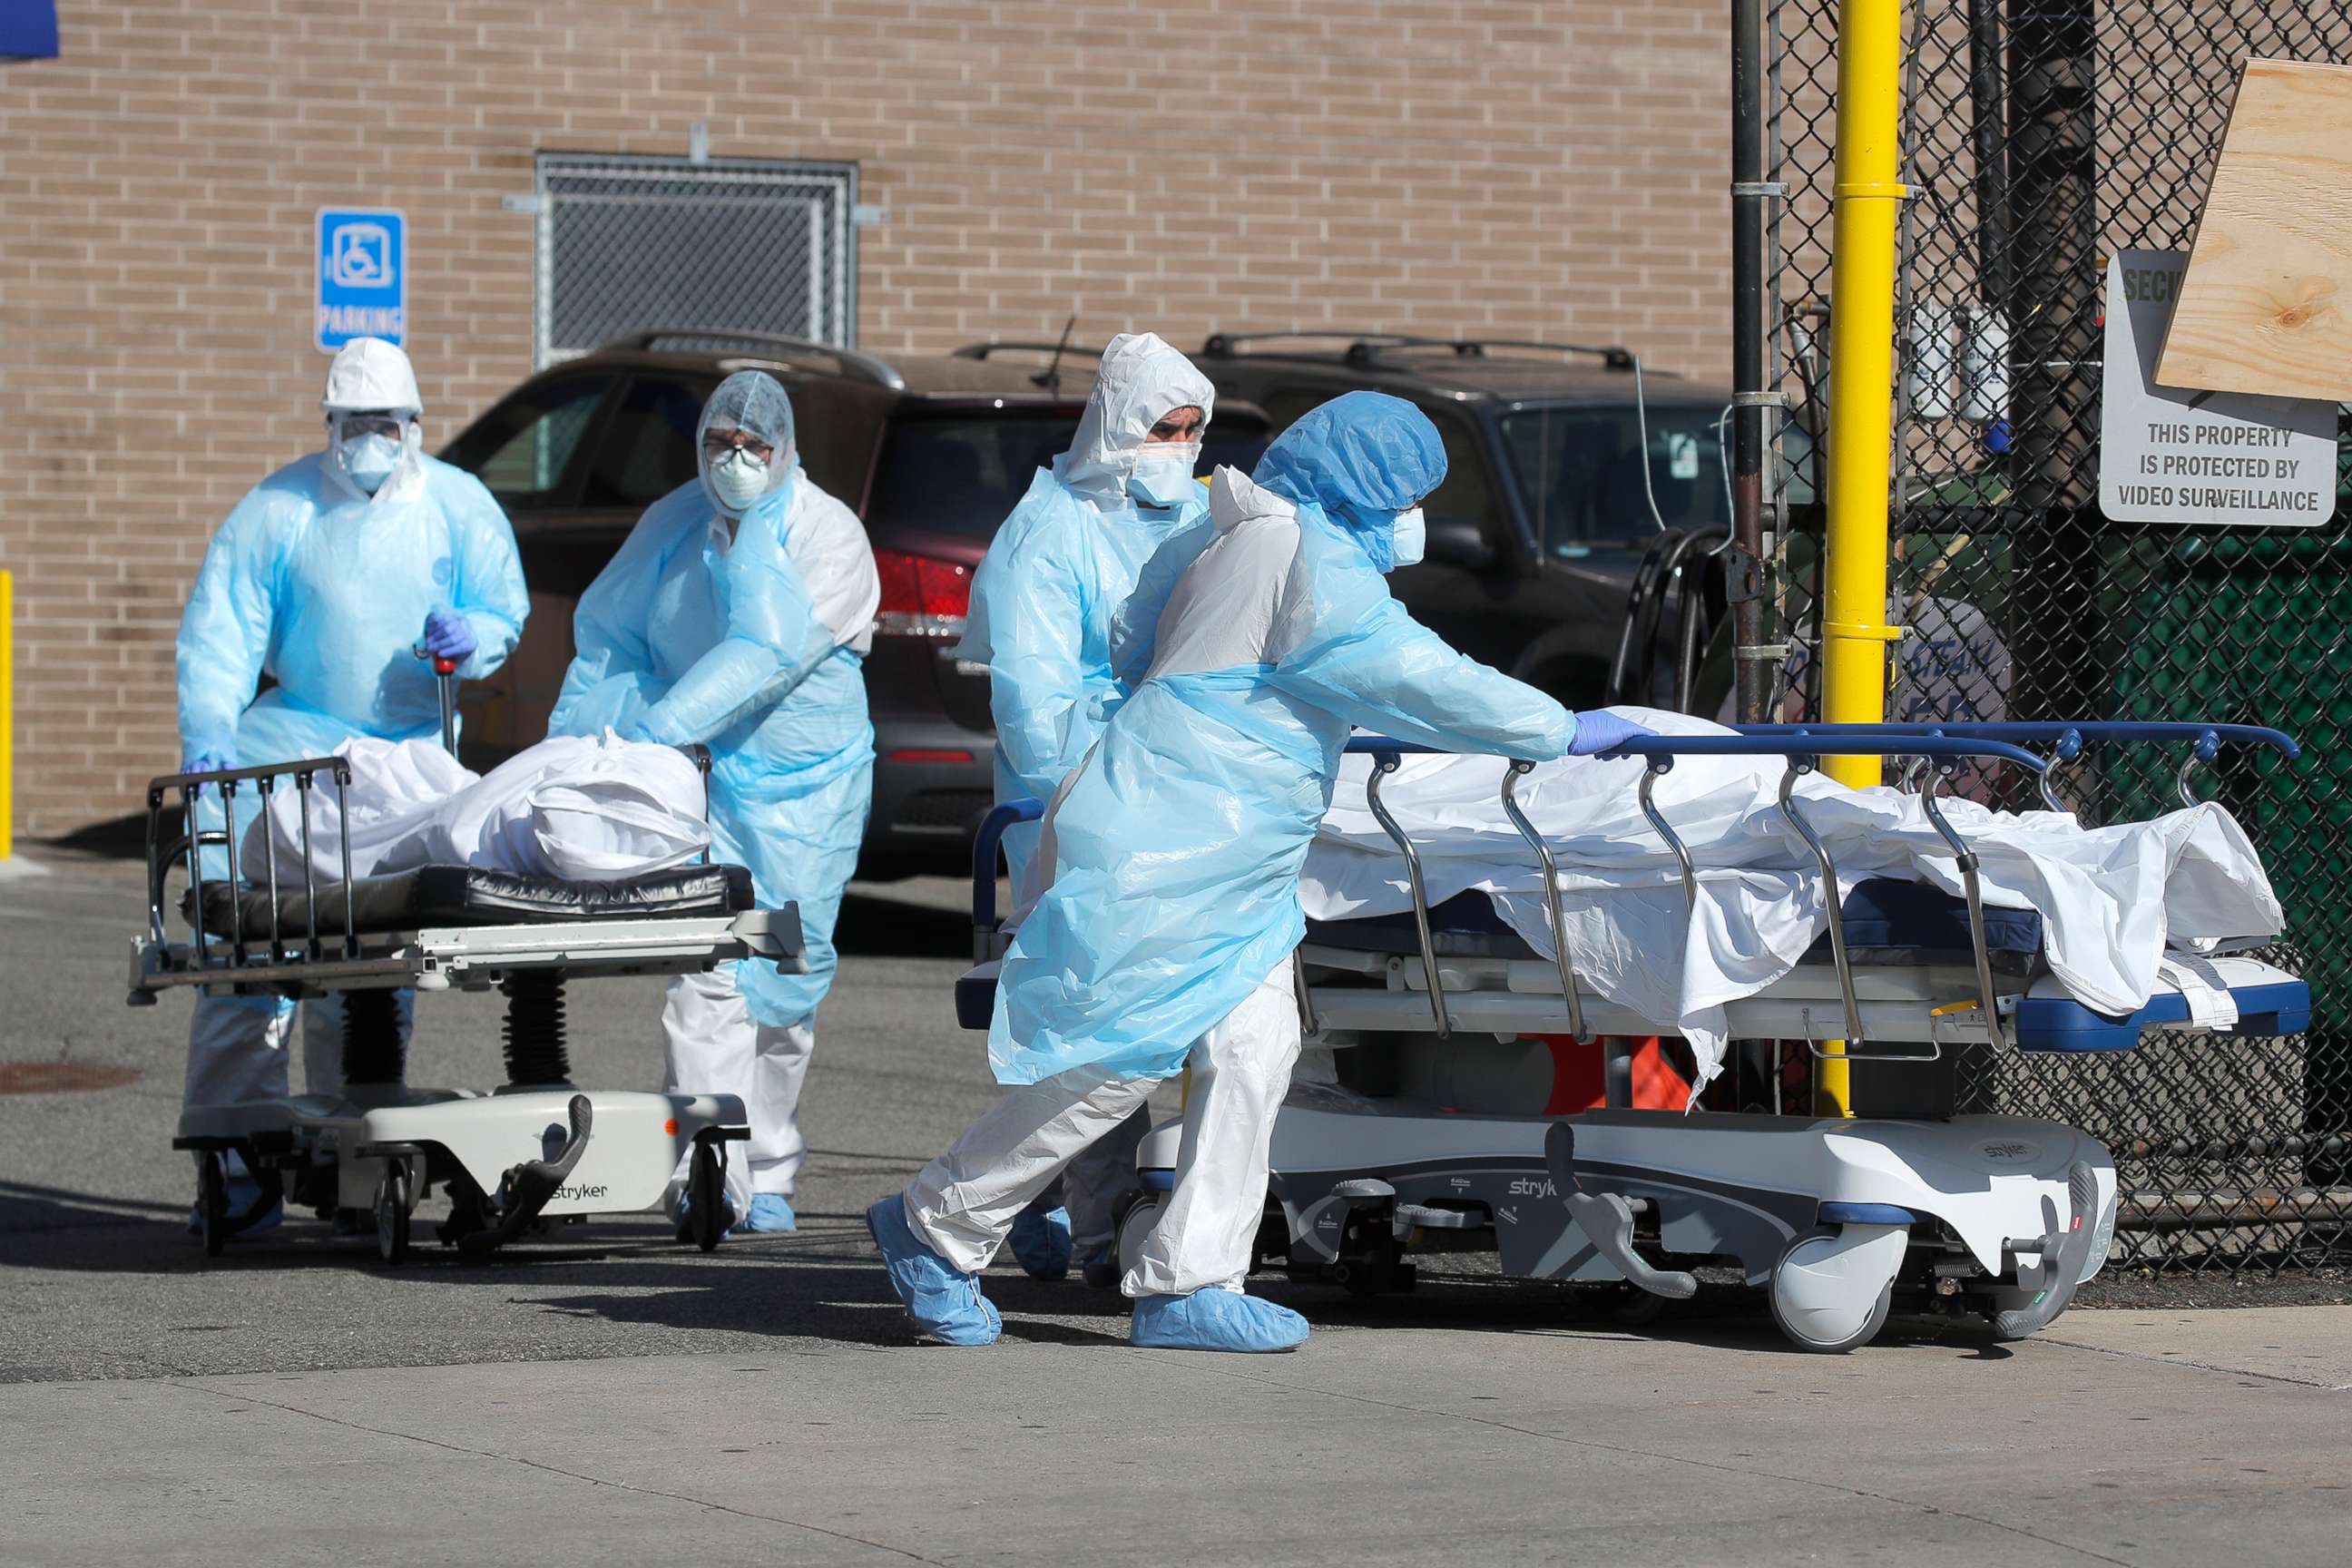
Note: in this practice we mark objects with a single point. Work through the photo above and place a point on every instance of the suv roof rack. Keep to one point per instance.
(988, 350)
(1367, 348)
(766, 346)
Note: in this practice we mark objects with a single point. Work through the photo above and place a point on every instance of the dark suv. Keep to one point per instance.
(932, 453)
(1542, 523)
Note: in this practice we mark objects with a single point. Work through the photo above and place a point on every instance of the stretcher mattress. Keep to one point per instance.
(441, 896)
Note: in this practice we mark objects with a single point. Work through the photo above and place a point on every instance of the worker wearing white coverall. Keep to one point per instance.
(1042, 608)
(326, 577)
(1165, 935)
(738, 615)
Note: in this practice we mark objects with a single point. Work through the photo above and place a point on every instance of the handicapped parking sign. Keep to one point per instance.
(362, 276)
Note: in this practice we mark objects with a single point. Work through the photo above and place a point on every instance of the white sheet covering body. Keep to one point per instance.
(578, 807)
(2114, 899)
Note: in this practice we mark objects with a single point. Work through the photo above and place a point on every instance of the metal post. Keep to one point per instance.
(1854, 631)
(1753, 203)
(2052, 310)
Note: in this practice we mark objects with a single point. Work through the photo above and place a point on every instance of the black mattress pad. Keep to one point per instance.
(468, 896)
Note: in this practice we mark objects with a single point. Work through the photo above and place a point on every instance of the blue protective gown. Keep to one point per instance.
(682, 640)
(1041, 607)
(1178, 847)
(327, 594)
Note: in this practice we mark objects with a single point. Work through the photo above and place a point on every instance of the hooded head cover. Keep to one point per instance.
(1140, 381)
(753, 402)
(369, 375)
(1360, 459)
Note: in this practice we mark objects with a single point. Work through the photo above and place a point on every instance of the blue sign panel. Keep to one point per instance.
(362, 276)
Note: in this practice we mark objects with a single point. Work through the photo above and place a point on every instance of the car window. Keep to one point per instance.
(1582, 470)
(1233, 442)
(961, 473)
(647, 448)
(522, 449)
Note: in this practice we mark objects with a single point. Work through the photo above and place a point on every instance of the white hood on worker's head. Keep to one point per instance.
(1140, 381)
(1234, 498)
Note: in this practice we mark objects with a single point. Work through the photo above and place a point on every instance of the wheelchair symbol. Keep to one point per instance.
(360, 257)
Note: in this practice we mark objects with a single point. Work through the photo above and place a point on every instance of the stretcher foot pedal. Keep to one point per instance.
(1607, 1221)
(528, 1187)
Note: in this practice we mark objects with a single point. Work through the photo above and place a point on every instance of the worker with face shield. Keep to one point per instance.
(738, 615)
(1164, 936)
(327, 577)
(1043, 603)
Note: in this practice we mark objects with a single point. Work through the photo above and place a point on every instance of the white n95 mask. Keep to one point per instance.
(370, 460)
(1162, 474)
(737, 481)
(1409, 536)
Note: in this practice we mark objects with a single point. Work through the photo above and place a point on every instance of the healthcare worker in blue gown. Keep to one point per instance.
(1043, 604)
(326, 578)
(1165, 934)
(738, 615)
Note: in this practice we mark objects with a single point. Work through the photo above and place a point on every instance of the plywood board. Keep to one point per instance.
(2267, 304)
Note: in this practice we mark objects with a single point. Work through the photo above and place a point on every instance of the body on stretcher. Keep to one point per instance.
(1450, 1031)
(538, 1148)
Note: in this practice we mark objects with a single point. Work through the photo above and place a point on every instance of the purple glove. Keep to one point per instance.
(448, 634)
(206, 763)
(1597, 731)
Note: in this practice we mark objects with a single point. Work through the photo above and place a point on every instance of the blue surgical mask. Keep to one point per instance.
(370, 460)
(736, 481)
(1409, 536)
(1163, 475)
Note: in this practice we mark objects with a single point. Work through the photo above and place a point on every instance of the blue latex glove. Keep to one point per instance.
(1597, 731)
(207, 763)
(448, 634)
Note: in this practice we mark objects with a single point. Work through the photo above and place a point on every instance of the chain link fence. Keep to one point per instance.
(2041, 136)
(719, 244)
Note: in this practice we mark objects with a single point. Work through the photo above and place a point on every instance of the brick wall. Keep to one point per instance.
(1531, 169)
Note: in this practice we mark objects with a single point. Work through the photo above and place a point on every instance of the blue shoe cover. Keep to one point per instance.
(945, 1303)
(772, 1214)
(1216, 1320)
(244, 1193)
(1041, 1242)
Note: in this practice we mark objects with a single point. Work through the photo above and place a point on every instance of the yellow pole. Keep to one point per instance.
(1854, 633)
(7, 714)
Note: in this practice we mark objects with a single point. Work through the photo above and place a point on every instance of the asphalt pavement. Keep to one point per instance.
(606, 1394)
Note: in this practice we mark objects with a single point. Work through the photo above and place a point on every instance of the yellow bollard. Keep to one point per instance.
(7, 714)
(1854, 633)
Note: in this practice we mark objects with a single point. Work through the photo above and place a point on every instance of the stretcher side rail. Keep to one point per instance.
(2067, 739)
(1803, 753)
(158, 962)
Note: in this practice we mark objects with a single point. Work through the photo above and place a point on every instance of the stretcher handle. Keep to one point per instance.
(984, 845)
(1859, 741)
(2024, 733)
(444, 674)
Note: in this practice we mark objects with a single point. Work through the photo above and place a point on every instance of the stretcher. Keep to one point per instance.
(1458, 1123)
(537, 1149)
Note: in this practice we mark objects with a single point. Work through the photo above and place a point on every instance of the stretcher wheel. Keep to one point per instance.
(1635, 1308)
(1822, 1291)
(392, 1212)
(212, 1201)
(705, 1187)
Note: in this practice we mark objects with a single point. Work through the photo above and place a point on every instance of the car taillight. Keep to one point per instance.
(921, 597)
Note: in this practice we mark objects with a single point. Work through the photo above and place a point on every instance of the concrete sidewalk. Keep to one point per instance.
(2101, 1444)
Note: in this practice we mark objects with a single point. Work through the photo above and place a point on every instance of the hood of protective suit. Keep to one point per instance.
(370, 375)
(1140, 381)
(753, 402)
(1234, 498)
(1360, 459)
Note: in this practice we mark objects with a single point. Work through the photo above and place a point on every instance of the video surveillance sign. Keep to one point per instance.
(362, 276)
